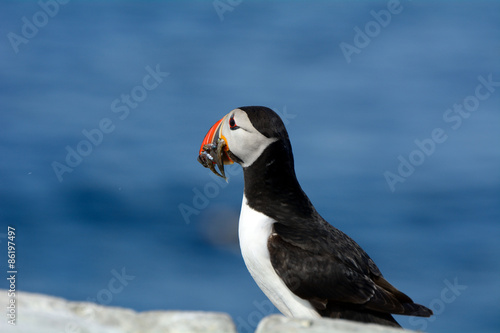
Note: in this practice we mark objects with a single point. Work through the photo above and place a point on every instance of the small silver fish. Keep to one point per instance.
(212, 155)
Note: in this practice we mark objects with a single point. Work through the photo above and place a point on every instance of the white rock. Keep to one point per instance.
(281, 324)
(37, 313)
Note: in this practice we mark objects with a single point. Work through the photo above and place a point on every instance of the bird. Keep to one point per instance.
(304, 265)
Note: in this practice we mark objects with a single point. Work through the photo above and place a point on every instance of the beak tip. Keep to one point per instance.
(213, 150)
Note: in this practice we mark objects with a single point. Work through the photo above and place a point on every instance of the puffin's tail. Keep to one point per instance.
(358, 313)
(369, 316)
(414, 309)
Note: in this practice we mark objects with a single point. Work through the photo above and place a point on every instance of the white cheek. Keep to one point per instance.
(247, 146)
(245, 142)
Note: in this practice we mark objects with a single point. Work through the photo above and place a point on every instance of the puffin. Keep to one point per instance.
(305, 266)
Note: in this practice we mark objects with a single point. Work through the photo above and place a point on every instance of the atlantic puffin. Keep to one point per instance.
(304, 265)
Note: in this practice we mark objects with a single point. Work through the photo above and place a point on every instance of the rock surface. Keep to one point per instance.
(36, 313)
(46, 314)
(281, 324)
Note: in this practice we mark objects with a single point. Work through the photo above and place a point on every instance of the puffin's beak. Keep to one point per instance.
(214, 150)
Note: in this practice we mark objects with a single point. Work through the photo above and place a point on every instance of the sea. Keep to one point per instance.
(392, 108)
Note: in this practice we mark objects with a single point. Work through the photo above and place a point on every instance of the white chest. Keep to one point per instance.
(254, 231)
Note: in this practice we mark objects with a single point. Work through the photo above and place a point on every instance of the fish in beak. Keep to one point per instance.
(214, 150)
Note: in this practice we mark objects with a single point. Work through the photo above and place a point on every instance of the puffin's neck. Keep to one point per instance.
(271, 185)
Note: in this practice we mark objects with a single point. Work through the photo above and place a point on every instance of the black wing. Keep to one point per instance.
(326, 267)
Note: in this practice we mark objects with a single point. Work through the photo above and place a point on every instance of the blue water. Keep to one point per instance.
(436, 236)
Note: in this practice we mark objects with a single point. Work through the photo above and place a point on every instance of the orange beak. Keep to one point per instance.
(213, 135)
(214, 150)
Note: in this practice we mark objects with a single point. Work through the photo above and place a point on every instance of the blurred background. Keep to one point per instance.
(104, 106)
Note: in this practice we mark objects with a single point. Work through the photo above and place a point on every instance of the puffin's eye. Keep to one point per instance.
(232, 123)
